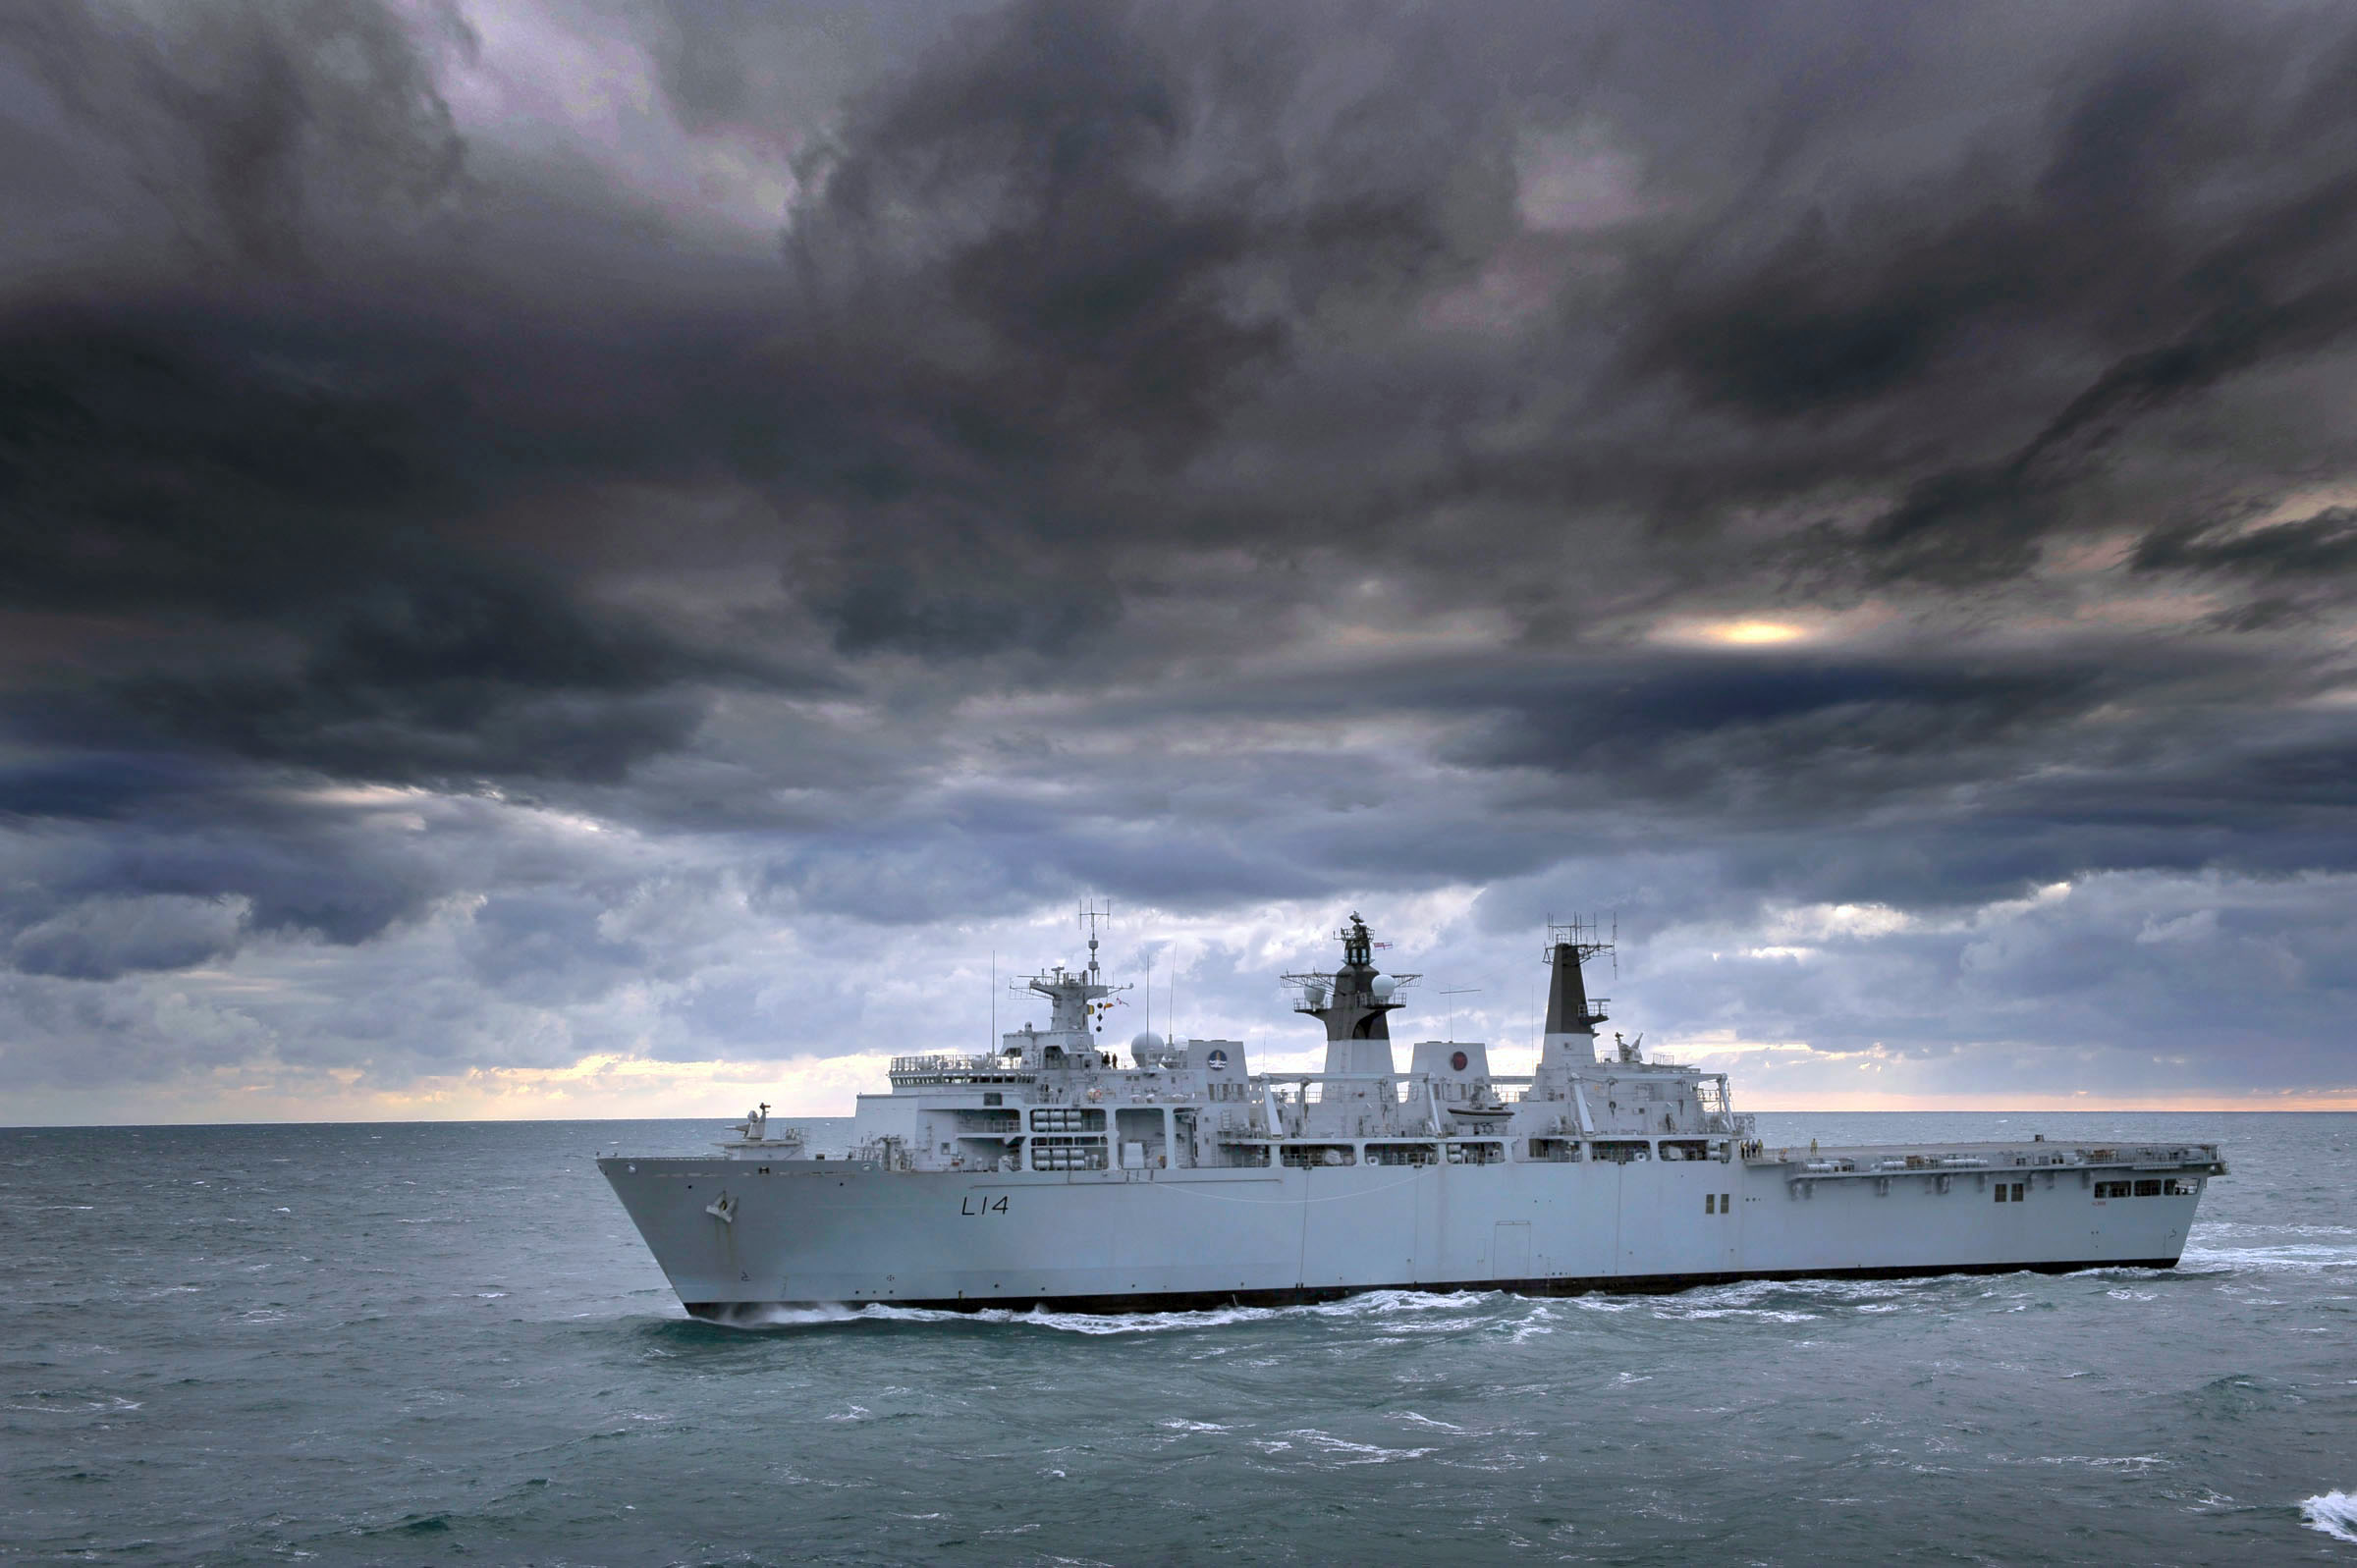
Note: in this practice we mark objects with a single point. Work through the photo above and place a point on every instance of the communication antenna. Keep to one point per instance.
(1460, 991)
(994, 999)
(1090, 915)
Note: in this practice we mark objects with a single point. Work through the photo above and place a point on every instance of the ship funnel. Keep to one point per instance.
(1567, 995)
(1572, 1013)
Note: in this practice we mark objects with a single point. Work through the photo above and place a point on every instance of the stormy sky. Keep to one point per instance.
(603, 559)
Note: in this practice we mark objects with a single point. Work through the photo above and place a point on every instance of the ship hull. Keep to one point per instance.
(856, 1233)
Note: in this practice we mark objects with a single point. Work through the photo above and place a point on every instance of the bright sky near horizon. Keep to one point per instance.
(570, 560)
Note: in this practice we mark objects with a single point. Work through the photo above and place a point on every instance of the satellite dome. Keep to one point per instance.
(1383, 988)
(1148, 1041)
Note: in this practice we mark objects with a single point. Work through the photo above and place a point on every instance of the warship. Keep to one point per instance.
(1048, 1173)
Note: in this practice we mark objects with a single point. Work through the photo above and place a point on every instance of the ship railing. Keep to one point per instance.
(945, 1068)
(1886, 1159)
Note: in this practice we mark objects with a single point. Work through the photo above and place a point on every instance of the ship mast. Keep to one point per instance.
(1077, 1003)
(1352, 1003)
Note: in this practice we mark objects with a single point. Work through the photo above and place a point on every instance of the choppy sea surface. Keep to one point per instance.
(437, 1343)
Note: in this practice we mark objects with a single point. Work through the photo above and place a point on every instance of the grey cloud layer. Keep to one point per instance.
(1213, 456)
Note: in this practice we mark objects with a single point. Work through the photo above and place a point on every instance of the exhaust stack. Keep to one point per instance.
(1571, 1014)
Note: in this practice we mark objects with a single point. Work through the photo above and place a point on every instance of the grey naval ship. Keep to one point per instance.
(1047, 1174)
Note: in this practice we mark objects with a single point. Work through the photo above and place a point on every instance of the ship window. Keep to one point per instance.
(2148, 1189)
(994, 1099)
(2176, 1187)
(2003, 1191)
(1727, 1202)
(1710, 1203)
(2111, 1189)
(2017, 1192)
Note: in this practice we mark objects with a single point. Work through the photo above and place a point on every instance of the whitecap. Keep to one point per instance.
(1427, 1420)
(1358, 1453)
(2332, 1512)
(2131, 1461)
(2299, 1257)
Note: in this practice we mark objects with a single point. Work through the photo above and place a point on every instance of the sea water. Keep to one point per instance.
(443, 1343)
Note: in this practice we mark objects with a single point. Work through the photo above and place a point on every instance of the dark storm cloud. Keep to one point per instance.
(2295, 569)
(2188, 219)
(296, 537)
(246, 123)
(1044, 272)
(1207, 455)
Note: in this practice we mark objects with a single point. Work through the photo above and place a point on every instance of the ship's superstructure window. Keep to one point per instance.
(1307, 1156)
(1710, 1203)
(2010, 1190)
(2165, 1187)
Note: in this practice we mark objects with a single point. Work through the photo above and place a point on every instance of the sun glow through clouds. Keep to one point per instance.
(1754, 631)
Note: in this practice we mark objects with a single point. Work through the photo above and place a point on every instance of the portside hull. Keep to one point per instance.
(1120, 1241)
(1305, 1296)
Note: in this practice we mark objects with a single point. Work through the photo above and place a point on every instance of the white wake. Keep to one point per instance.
(2335, 1513)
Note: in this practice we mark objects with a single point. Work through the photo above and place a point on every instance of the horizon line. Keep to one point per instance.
(2346, 1106)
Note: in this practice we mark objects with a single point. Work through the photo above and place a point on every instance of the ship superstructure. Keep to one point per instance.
(1048, 1173)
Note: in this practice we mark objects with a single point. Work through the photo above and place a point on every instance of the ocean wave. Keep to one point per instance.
(2210, 1229)
(2332, 1512)
(2301, 1258)
(48, 1403)
(1334, 1450)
